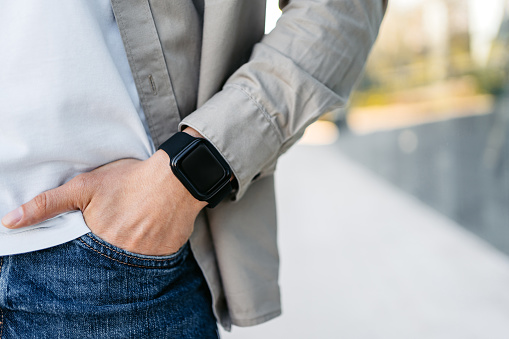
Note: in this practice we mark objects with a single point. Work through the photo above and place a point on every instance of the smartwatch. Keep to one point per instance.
(199, 167)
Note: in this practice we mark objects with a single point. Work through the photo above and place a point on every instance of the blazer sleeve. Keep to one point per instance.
(305, 67)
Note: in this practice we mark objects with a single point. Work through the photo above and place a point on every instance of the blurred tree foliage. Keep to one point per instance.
(408, 59)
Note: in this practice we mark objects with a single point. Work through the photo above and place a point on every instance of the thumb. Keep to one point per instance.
(70, 196)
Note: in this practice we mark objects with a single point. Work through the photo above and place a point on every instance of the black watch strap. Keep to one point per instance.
(176, 143)
(220, 195)
(179, 141)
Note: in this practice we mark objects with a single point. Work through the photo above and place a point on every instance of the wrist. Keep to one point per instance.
(176, 188)
(199, 166)
(192, 132)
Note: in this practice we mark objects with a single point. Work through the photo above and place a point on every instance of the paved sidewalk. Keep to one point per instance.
(362, 260)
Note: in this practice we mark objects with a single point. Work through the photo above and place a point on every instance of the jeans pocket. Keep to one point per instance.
(103, 248)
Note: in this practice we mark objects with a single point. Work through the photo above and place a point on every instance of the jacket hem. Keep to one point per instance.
(256, 321)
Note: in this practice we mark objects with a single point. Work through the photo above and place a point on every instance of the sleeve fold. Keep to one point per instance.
(307, 66)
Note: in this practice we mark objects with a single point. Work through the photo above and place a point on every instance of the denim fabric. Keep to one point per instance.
(88, 288)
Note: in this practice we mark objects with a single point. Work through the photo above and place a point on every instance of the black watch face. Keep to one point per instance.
(202, 169)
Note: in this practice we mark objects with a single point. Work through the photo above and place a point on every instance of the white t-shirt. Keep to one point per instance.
(68, 104)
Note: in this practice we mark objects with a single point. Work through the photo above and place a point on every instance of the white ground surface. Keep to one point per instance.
(360, 259)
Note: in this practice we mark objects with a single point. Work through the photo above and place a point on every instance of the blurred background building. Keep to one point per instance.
(431, 113)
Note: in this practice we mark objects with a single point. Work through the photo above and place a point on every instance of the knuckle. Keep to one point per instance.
(79, 184)
(80, 188)
(41, 202)
(80, 181)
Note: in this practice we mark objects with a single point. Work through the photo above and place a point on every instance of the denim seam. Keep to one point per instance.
(130, 256)
(120, 262)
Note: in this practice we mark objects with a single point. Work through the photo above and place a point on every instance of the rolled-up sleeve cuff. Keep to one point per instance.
(241, 130)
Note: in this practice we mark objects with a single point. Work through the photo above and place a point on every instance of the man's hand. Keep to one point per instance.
(139, 206)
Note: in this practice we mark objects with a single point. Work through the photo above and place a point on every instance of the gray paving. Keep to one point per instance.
(361, 259)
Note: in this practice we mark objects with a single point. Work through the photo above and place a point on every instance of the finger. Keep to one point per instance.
(70, 196)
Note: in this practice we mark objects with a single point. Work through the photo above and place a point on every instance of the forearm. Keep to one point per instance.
(305, 67)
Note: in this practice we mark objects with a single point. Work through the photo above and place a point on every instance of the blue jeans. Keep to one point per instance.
(88, 288)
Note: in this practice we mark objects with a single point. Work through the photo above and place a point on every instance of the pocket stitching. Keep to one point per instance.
(130, 256)
(104, 255)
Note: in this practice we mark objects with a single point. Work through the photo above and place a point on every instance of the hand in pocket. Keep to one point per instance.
(136, 205)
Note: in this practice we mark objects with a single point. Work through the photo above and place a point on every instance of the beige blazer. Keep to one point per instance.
(252, 95)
